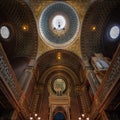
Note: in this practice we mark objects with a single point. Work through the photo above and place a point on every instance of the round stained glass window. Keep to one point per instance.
(114, 32)
(4, 32)
(59, 86)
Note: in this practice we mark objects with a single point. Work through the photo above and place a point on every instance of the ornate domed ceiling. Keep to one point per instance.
(59, 24)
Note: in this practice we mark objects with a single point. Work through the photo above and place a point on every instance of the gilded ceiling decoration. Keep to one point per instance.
(59, 62)
(79, 6)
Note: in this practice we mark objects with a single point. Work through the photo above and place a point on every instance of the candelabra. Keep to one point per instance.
(83, 117)
(35, 117)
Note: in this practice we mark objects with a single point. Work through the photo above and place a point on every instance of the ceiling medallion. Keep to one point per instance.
(59, 24)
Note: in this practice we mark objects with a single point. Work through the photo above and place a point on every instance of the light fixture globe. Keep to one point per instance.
(59, 24)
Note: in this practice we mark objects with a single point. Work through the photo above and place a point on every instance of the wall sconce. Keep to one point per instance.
(93, 28)
(25, 27)
(59, 56)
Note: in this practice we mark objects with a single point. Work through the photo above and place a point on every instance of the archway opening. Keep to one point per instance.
(59, 116)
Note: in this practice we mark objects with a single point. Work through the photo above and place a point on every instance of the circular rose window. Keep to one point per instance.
(59, 86)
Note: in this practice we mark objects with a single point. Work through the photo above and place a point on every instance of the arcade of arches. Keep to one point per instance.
(59, 59)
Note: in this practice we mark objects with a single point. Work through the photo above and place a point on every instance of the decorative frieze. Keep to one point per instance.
(110, 80)
(111, 77)
(8, 75)
(10, 83)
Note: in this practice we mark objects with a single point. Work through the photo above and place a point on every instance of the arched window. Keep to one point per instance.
(59, 116)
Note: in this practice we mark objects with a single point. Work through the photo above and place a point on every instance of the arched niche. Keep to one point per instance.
(59, 113)
(59, 116)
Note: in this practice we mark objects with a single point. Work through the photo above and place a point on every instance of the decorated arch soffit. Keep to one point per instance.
(60, 62)
(55, 71)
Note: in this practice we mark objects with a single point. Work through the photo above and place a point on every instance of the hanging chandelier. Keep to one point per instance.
(83, 117)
